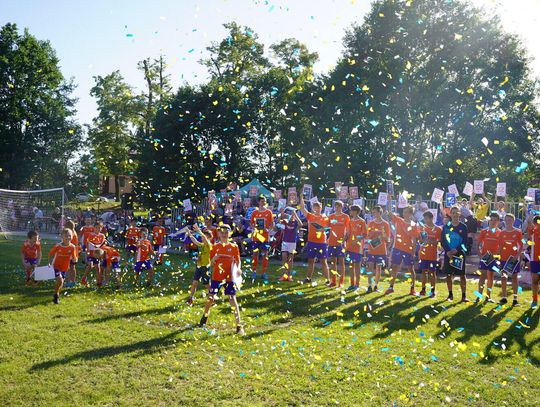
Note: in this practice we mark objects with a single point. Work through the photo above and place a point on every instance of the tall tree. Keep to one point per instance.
(38, 132)
(112, 131)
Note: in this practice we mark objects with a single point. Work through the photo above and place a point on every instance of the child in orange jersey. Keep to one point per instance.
(430, 235)
(61, 256)
(31, 254)
(378, 235)
(339, 224)
(72, 274)
(355, 244)
(511, 247)
(143, 257)
(489, 242)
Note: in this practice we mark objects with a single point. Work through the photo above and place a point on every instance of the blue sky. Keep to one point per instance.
(91, 37)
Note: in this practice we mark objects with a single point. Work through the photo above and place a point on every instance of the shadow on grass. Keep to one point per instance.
(134, 314)
(146, 347)
(516, 333)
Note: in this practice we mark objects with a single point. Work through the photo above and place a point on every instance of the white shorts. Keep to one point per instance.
(289, 247)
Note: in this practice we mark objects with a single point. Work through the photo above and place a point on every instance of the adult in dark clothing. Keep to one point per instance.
(454, 240)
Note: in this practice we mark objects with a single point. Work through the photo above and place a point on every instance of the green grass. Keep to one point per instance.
(304, 346)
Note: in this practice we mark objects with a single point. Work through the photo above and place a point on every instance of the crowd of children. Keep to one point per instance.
(339, 242)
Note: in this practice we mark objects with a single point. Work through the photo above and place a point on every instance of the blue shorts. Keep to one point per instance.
(353, 257)
(92, 260)
(376, 258)
(58, 273)
(215, 286)
(492, 266)
(114, 264)
(336, 251)
(142, 265)
(131, 248)
(30, 262)
(428, 265)
(399, 256)
(259, 246)
(156, 247)
(316, 250)
(201, 274)
(534, 266)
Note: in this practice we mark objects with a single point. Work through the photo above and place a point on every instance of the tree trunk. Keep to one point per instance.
(117, 188)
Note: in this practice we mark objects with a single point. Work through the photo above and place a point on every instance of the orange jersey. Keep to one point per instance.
(316, 225)
(31, 252)
(95, 241)
(85, 231)
(111, 254)
(428, 251)
(338, 225)
(158, 235)
(144, 250)
(62, 256)
(510, 243)
(357, 233)
(224, 255)
(260, 221)
(405, 234)
(489, 241)
(378, 230)
(75, 242)
(132, 235)
(534, 241)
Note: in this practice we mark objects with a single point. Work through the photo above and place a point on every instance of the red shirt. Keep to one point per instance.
(111, 254)
(428, 251)
(144, 250)
(62, 256)
(489, 241)
(378, 230)
(259, 226)
(338, 225)
(132, 235)
(405, 234)
(357, 233)
(85, 231)
(316, 225)
(224, 255)
(158, 234)
(510, 243)
(31, 252)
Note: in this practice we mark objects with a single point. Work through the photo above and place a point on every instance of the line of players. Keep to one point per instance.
(90, 244)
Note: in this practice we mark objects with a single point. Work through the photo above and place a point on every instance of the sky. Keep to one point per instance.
(97, 37)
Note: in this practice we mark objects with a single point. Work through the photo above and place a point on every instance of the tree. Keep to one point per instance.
(38, 132)
(112, 131)
(430, 92)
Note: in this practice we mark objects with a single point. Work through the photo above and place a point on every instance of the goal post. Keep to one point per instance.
(41, 210)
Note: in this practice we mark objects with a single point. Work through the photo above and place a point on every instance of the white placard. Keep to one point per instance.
(383, 199)
(530, 192)
(468, 190)
(282, 203)
(313, 200)
(403, 202)
(187, 205)
(478, 186)
(44, 273)
(236, 276)
(437, 195)
(453, 189)
(501, 188)
(162, 250)
(359, 202)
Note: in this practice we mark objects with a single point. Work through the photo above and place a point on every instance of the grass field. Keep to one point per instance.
(303, 346)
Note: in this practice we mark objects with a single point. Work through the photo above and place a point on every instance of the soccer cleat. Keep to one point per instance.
(432, 295)
(488, 299)
(189, 301)
(351, 288)
(477, 301)
(376, 289)
(515, 303)
(534, 304)
(389, 291)
(307, 280)
(450, 297)
(240, 330)
(254, 275)
(370, 289)
(413, 292)
(422, 292)
(465, 299)
(56, 299)
(503, 301)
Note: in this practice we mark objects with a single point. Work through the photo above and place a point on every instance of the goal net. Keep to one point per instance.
(40, 210)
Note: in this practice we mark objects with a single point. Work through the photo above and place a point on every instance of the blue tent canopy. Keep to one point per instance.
(262, 190)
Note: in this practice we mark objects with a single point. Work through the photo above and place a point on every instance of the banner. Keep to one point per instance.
(478, 187)
(382, 199)
(437, 195)
(468, 190)
(453, 189)
(353, 192)
(501, 188)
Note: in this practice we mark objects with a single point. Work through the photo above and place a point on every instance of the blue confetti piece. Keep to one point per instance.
(374, 123)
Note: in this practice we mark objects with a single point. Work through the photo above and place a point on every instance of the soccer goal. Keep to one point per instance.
(40, 210)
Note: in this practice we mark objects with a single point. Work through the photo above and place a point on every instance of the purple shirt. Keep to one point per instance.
(290, 233)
